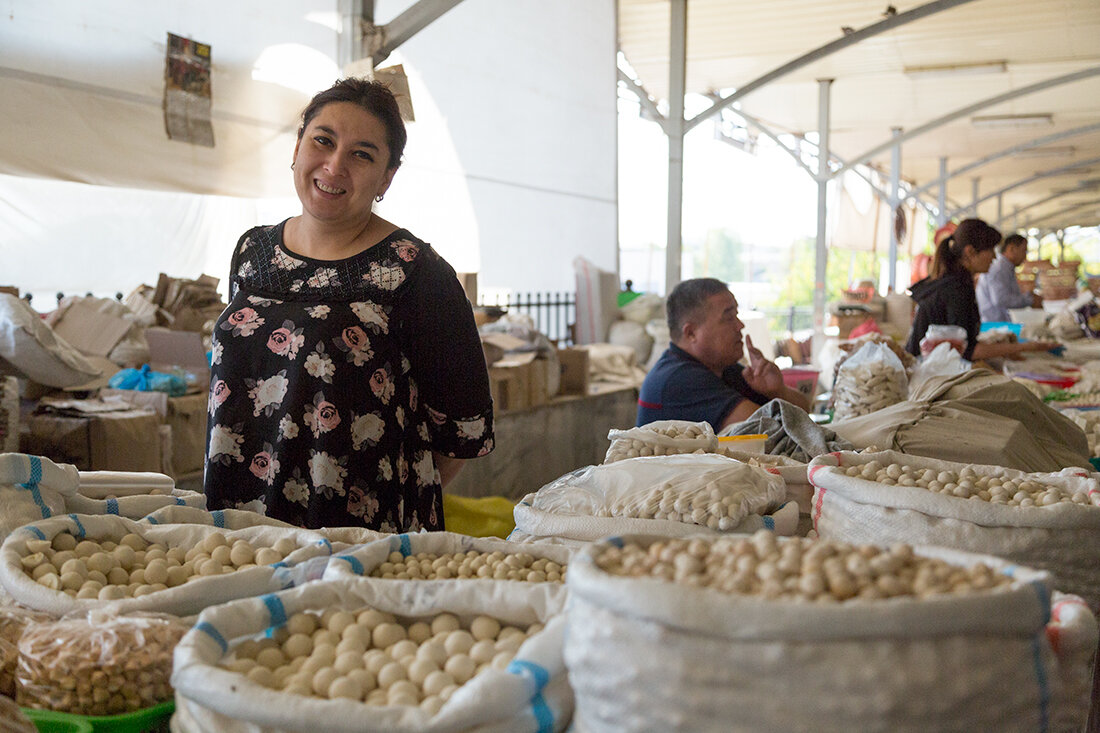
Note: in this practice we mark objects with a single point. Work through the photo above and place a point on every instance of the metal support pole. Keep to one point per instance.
(349, 42)
(941, 200)
(677, 82)
(822, 253)
(1000, 206)
(1015, 218)
(975, 196)
(895, 201)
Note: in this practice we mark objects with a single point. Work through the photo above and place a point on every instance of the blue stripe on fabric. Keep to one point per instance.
(616, 541)
(325, 543)
(36, 532)
(112, 506)
(1044, 684)
(151, 520)
(207, 628)
(1043, 592)
(544, 716)
(279, 565)
(79, 527)
(36, 496)
(769, 523)
(36, 470)
(180, 502)
(406, 545)
(356, 566)
(276, 609)
(536, 673)
(219, 518)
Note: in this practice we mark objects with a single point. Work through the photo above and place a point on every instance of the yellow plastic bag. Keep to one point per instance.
(489, 516)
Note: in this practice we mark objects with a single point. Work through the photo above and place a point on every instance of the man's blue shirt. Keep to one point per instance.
(680, 387)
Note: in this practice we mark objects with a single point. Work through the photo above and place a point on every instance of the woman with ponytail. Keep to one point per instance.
(947, 296)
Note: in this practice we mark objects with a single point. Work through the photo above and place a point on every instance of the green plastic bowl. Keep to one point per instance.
(148, 720)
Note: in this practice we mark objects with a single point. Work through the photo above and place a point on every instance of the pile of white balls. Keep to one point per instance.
(970, 484)
(131, 568)
(712, 505)
(797, 569)
(494, 565)
(623, 448)
(867, 388)
(1089, 422)
(374, 657)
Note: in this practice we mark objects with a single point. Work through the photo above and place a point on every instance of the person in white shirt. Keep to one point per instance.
(998, 289)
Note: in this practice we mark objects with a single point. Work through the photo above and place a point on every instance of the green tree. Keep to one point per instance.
(720, 255)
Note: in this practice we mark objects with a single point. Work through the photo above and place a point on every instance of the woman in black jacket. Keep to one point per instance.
(947, 297)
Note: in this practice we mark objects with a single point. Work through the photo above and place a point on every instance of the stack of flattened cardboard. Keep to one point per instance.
(182, 305)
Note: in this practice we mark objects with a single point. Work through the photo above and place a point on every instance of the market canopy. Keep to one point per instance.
(1004, 94)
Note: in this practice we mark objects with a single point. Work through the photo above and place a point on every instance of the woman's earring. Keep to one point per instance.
(291, 166)
(379, 197)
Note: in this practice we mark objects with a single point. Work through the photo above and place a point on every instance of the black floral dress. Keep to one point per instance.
(333, 381)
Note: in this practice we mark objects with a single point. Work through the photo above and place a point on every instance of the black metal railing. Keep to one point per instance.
(786, 321)
(553, 313)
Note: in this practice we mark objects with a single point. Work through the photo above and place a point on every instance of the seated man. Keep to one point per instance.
(998, 289)
(699, 378)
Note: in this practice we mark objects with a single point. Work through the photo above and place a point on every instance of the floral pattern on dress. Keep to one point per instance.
(225, 444)
(267, 394)
(286, 340)
(373, 316)
(322, 416)
(319, 365)
(243, 322)
(314, 415)
(353, 341)
(265, 465)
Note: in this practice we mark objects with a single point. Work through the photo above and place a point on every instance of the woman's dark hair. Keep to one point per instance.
(973, 232)
(686, 299)
(374, 97)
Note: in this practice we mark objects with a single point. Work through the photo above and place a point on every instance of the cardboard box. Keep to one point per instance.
(186, 419)
(508, 386)
(574, 371)
(468, 281)
(126, 440)
(91, 331)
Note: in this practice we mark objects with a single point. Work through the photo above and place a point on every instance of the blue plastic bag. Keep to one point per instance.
(146, 380)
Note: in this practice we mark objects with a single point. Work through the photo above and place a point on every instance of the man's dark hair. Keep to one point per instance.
(687, 299)
(1012, 240)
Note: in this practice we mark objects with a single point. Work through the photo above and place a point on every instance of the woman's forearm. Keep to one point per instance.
(448, 467)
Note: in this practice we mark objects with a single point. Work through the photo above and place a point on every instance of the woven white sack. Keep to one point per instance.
(644, 655)
(533, 694)
(182, 600)
(32, 488)
(340, 537)
(1072, 632)
(578, 505)
(651, 440)
(361, 561)
(1063, 539)
(135, 504)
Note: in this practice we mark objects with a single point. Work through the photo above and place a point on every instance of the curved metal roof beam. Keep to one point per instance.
(822, 51)
(1024, 182)
(1037, 142)
(644, 98)
(962, 112)
(1060, 212)
(1040, 202)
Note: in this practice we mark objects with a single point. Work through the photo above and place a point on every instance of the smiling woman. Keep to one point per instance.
(348, 381)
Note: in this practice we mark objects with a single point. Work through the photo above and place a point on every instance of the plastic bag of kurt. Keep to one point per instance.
(528, 693)
(664, 495)
(869, 380)
(661, 438)
(146, 380)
